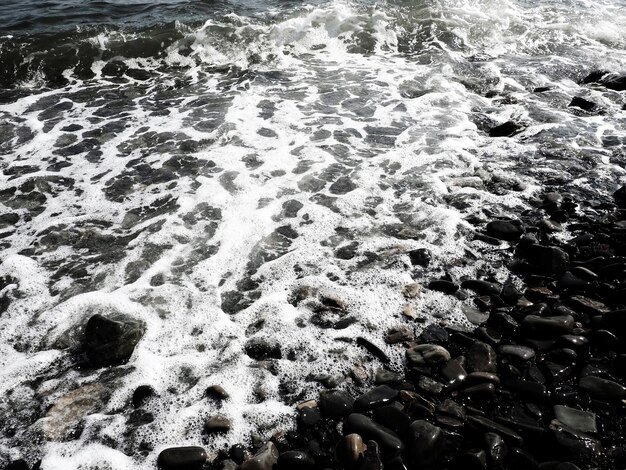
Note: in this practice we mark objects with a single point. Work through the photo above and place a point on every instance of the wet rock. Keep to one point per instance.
(420, 257)
(508, 230)
(426, 442)
(217, 392)
(453, 371)
(582, 103)
(581, 421)
(310, 416)
(182, 458)
(482, 287)
(518, 459)
(548, 327)
(441, 285)
(217, 424)
(481, 358)
(480, 392)
(427, 354)
(487, 425)
(378, 396)
(141, 394)
(602, 389)
(393, 418)
(347, 251)
(620, 197)
(68, 412)
(342, 185)
(111, 340)
(295, 460)
(521, 353)
(261, 349)
(507, 129)
(574, 442)
(473, 459)
(372, 349)
(549, 260)
(264, 459)
(399, 334)
(349, 451)
(496, 448)
(429, 386)
(390, 443)
(336, 403)
(383, 376)
(412, 291)
(434, 333)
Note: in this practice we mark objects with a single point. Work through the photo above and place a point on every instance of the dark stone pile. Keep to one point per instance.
(539, 385)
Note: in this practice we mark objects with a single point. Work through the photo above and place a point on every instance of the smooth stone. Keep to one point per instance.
(441, 285)
(389, 441)
(557, 372)
(507, 129)
(484, 391)
(548, 327)
(336, 403)
(496, 448)
(217, 424)
(482, 287)
(474, 378)
(588, 305)
(620, 197)
(547, 260)
(573, 341)
(111, 340)
(581, 421)
(310, 416)
(393, 418)
(487, 425)
(425, 441)
(453, 371)
(264, 459)
(372, 349)
(295, 460)
(508, 230)
(481, 358)
(602, 389)
(378, 396)
(519, 352)
(141, 394)
(452, 408)
(349, 451)
(372, 459)
(261, 349)
(427, 354)
(182, 458)
(217, 392)
(582, 103)
(584, 273)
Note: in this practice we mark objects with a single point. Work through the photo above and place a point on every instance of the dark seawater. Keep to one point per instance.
(198, 165)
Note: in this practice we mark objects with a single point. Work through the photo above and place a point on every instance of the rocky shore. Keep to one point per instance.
(538, 384)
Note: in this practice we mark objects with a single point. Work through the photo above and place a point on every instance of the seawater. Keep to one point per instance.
(200, 165)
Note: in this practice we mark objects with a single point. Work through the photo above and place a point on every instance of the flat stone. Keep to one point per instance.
(295, 460)
(548, 327)
(522, 353)
(581, 421)
(603, 389)
(374, 398)
(482, 287)
(488, 425)
(182, 458)
(217, 424)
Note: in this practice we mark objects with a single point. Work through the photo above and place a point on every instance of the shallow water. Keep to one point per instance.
(196, 165)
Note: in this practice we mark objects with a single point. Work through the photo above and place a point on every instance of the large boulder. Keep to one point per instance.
(111, 340)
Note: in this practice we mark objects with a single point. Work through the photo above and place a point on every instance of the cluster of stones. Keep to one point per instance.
(538, 385)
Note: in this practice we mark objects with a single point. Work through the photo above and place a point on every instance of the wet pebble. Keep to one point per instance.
(182, 458)
(378, 396)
